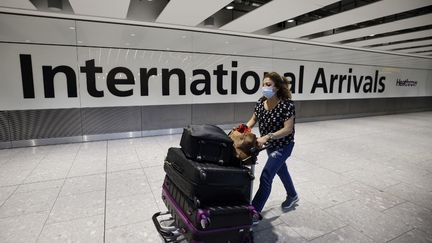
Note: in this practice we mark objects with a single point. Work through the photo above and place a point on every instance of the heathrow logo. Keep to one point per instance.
(406, 83)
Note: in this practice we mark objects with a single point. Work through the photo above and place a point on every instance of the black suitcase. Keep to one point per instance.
(208, 143)
(229, 234)
(208, 184)
(209, 217)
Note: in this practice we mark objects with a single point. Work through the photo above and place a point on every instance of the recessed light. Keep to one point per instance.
(290, 20)
(372, 35)
(230, 7)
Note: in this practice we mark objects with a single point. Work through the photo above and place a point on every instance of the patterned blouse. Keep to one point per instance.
(273, 120)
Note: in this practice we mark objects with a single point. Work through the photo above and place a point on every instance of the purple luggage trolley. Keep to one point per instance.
(209, 225)
(178, 224)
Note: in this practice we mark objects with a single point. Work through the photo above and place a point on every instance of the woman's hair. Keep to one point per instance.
(281, 83)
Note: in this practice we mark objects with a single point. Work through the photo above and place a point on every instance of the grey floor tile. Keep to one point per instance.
(151, 160)
(82, 184)
(371, 222)
(129, 210)
(371, 178)
(46, 172)
(326, 178)
(41, 186)
(90, 167)
(155, 173)
(77, 206)
(345, 234)
(126, 155)
(296, 164)
(156, 190)
(356, 181)
(279, 233)
(132, 174)
(5, 193)
(325, 198)
(24, 228)
(412, 193)
(127, 186)
(22, 164)
(411, 214)
(11, 177)
(29, 202)
(138, 232)
(89, 230)
(353, 211)
(379, 200)
(270, 220)
(309, 221)
(425, 164)
(113, 166)
(413, 236)
(383, 228)
(417, 177)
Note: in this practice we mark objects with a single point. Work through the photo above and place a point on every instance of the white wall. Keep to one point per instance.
(57, 42)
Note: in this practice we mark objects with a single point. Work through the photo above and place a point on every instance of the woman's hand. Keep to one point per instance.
(262, 140)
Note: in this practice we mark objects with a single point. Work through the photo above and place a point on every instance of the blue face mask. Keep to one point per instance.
(267, 92)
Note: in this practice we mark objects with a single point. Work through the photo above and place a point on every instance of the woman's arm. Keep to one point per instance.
(285, 131)
(252, 121)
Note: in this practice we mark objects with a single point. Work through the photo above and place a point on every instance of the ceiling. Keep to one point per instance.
(387, 25)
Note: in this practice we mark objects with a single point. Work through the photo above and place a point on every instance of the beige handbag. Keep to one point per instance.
(245, 143)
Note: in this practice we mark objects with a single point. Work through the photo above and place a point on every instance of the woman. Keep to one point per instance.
(275, 114)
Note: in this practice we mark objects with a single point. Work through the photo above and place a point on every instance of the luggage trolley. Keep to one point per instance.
(174, 225)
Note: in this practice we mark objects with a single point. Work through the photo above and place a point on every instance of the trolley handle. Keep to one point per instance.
(159, 228)
(254, 151)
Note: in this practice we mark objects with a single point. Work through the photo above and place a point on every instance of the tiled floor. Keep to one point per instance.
(359, 180)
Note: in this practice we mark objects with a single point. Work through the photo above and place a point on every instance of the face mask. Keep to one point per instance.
(267, 92)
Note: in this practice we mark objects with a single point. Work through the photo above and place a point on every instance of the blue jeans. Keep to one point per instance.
(275, 165)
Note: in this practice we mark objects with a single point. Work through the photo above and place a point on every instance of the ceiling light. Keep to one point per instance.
(230, 7)
(255, 4)
(290, 20)
(372, 35)
(56, 5)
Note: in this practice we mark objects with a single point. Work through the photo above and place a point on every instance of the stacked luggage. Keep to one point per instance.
(206, 190)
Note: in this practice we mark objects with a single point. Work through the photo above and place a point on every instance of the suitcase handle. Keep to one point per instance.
(175, 166)
(221, 147)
